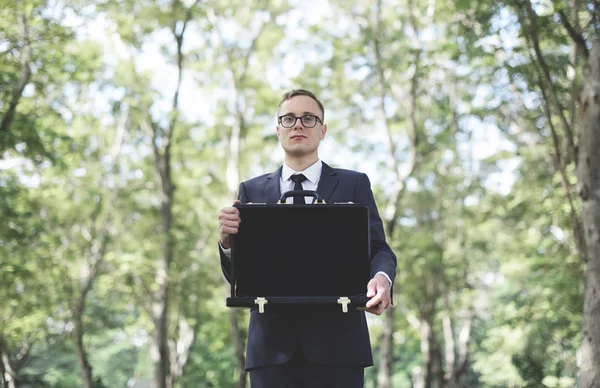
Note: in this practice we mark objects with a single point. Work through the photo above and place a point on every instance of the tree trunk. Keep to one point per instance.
(588, 176)
(425, 334)
(432, 373)
(159, 347)
(96, 259)
(2, 379)
(9, 372)
(9, 366)
(238, 345)
(417, 378)
(449, 347)
(86, 369)
(457, 367)
(179, 350)
(384, 377)
(161, 145)
(160, 304)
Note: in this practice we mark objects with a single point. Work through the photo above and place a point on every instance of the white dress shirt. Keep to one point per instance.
(312, 174)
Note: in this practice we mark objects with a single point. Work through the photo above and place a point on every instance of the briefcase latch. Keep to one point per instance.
(261, 302)
(344, 301)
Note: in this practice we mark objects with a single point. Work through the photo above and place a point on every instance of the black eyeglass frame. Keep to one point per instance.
(317, 119)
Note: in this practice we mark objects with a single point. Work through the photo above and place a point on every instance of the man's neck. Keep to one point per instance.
(301, 163)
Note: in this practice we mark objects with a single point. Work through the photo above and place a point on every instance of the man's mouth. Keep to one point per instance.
(298, 137)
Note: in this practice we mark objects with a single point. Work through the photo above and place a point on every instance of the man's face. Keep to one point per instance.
(299, 140)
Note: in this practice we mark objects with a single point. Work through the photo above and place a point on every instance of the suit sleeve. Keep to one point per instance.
(382, 257)
(225, 260)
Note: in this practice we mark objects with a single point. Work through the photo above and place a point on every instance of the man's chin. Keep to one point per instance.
(298, 150)
(301, 154)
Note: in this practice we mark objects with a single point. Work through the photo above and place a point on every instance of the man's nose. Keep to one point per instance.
(298, 123)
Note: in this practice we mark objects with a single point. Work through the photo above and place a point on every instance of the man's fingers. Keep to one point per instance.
(230, 223)
(375, 300)
(376, 310)
(372, 292)
(229, 215)
(373, 303)
(228, 228)
(380, 299)
(371, 288)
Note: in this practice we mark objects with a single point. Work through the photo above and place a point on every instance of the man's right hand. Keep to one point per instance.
(229, 222)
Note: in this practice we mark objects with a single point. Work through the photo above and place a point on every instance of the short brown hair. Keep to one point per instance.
(302, 92)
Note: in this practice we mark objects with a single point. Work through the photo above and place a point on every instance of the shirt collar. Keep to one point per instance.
(312, 173)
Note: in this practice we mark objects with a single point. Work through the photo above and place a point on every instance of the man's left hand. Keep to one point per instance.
(378, 290)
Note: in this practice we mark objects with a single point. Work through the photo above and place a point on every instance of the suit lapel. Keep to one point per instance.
(272, 190)
(327, 182)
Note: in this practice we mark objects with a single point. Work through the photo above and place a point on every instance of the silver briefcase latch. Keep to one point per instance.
(344, 301)
(261, 302)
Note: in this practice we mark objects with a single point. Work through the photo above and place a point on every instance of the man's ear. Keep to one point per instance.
(278, 134)
(323, 131)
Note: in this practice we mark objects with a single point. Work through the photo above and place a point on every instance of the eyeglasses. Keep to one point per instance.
(308, 121)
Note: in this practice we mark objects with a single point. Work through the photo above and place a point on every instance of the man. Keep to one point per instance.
(301, 349)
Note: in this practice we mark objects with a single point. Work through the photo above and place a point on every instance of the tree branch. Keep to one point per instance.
(595, 14)
(576, 36)
(543, 72)
(560, 162)
(25, 70)
(535, 39)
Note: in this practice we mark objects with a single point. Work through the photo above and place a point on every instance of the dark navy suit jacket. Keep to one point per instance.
(326, 337)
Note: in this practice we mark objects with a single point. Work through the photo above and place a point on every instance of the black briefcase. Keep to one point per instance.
(301, 255)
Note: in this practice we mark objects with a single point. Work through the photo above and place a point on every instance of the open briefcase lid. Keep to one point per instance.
(301, 255)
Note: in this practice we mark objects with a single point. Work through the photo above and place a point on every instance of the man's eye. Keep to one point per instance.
(287, 119)
(309, 119)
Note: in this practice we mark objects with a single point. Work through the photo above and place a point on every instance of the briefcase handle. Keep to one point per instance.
(301, 193)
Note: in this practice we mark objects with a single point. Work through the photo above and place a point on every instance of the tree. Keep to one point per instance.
(588, 165)
(571, 149)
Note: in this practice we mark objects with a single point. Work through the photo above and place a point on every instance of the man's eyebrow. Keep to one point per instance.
(303, 113)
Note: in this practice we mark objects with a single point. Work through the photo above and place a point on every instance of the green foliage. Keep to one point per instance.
(483, 229)
(43, 65)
